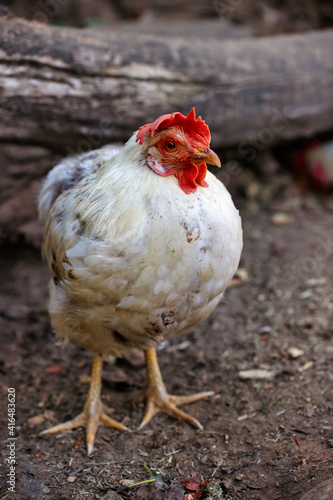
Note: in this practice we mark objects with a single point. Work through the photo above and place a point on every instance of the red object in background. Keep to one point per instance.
(314, 163)
(194, 485)
(53, 369)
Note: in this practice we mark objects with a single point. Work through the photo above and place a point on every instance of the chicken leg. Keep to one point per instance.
(93, 412)
(159, 400)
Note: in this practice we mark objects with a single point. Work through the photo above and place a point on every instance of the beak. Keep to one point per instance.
(208, 156)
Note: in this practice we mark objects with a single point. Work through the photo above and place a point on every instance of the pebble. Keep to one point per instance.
(294, 352)
(36, 420)
(256, 374)
(281, 219)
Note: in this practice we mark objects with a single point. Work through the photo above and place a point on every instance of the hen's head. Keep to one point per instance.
(179, 145)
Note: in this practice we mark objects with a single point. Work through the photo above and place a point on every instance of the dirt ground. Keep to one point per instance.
(263, 439)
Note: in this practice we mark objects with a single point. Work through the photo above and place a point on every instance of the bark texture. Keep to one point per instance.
(60, 85)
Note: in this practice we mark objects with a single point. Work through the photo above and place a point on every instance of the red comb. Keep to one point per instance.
(194, 126)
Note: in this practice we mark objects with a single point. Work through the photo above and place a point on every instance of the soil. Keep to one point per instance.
(268, 438)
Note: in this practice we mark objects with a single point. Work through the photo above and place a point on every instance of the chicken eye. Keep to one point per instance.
(169, 145)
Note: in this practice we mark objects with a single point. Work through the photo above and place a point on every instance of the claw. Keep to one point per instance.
(158, 400)
(93, 414)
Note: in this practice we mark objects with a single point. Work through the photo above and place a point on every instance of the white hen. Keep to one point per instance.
(142, 242)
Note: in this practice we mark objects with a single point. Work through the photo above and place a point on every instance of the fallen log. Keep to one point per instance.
(75, 89)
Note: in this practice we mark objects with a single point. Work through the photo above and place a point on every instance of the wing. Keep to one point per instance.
(69, 172)
(64, 176)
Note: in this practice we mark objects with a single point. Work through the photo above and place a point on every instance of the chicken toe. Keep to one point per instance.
(94, 412)
(158, 400)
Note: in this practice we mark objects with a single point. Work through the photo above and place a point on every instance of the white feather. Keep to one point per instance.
(136, 255)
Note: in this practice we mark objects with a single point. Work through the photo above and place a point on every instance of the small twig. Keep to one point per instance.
(142, 482)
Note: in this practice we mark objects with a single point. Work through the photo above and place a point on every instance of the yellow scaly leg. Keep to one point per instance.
(159, 400)
(93, 414)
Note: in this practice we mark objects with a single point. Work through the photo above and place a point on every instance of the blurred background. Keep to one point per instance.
(197, 18)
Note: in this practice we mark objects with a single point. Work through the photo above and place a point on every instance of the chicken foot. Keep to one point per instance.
(159, 400)
(93, 414)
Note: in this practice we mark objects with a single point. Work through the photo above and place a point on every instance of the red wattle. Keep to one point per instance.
(200, 179)
(186, 179)
(191, 175)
